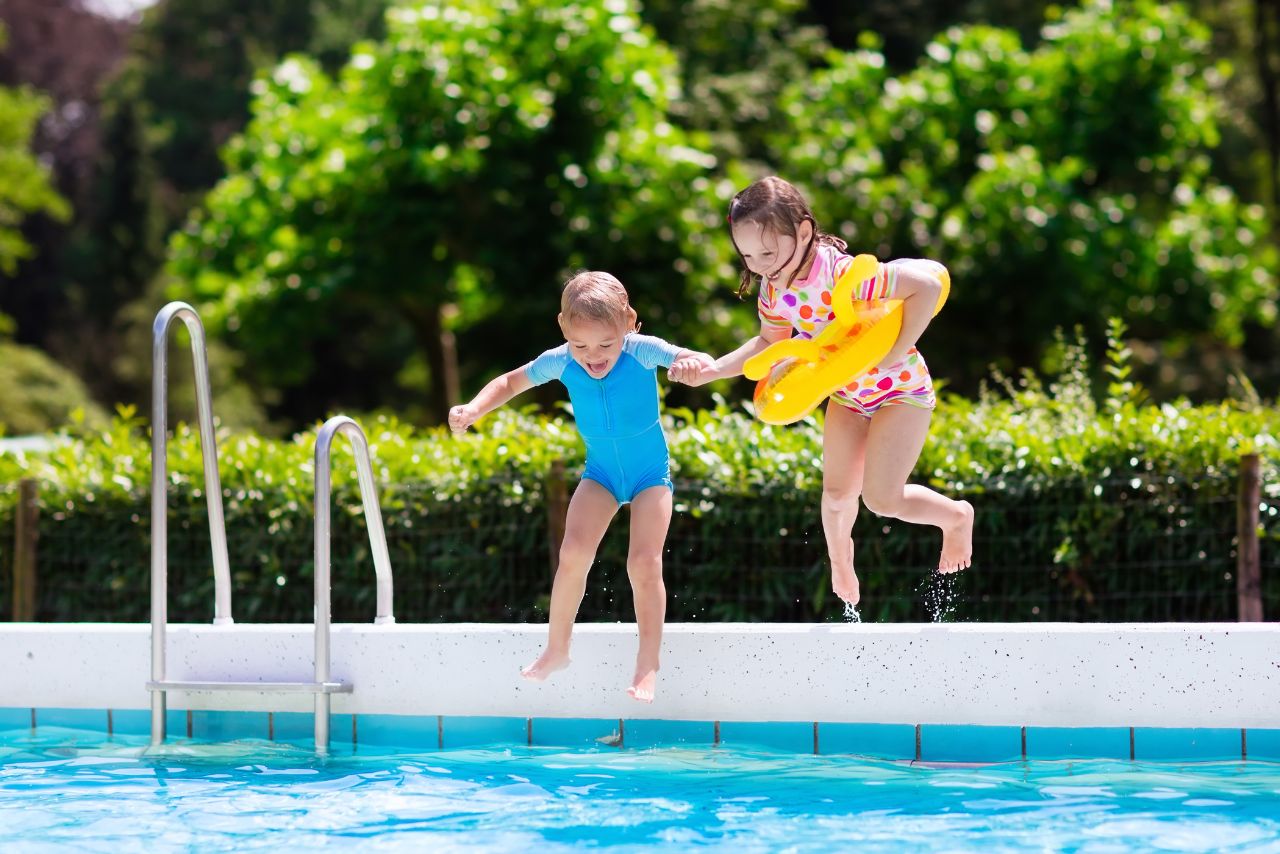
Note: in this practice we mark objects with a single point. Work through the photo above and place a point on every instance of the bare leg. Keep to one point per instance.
(590, 511)
(893, 445)
(650, 518)
(844, 441)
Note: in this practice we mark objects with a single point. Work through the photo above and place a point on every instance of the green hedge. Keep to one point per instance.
(1119, 510)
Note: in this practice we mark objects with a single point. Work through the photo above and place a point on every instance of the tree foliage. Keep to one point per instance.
(25, 183)
(450, 175)
(1061, 185)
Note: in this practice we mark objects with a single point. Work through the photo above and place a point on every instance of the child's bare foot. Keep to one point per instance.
(644, 687)
(957, 541)
(844, 581)
(549, 662)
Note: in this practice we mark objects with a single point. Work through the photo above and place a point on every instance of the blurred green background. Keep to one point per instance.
(374, 204)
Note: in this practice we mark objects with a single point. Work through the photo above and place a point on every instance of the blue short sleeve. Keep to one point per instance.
(650, 350)
(549, 366)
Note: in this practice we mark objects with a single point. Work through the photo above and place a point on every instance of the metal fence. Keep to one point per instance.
(1161, 549)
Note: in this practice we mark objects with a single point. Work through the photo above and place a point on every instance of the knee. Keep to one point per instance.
(840, 499)
(645, 569)
(575, 556)
(883, 502)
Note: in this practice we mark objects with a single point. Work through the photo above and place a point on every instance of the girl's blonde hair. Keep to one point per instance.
(598, 297)
(778, 206)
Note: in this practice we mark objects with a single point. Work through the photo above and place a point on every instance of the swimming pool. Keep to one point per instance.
(78, 789)
(763, 737)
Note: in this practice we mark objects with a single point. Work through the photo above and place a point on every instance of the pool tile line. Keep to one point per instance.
(816, 742)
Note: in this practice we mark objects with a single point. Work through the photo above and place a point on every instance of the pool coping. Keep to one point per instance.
(1102, 676)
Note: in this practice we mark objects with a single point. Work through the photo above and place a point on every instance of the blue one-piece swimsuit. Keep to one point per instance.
(617, 415)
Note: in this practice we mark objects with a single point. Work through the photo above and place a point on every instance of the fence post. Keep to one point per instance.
(557, 509)
(25, 533)
(1248, 552)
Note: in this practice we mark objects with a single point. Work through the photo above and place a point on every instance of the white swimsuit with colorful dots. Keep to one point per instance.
(805, 307)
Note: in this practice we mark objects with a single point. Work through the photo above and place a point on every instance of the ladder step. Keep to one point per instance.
(273, 687)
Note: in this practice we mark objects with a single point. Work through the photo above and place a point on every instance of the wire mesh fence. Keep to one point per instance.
(1156, 548)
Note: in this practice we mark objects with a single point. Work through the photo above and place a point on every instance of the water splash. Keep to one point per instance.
(938, 593)
(851, 614)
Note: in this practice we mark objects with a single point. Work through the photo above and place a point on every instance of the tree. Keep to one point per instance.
(734, 60)
(64, 51)
(25, 183)
(180, 94)
(905, 27)
(1062, 185)
(449, 178)
(37, 395)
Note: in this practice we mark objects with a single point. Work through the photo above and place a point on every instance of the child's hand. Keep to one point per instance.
(693, 370)
(462, 417)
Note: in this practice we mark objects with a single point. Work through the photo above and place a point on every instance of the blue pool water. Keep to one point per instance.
(63, 789)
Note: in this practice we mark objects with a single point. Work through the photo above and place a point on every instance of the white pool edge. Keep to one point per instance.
(1205, 675)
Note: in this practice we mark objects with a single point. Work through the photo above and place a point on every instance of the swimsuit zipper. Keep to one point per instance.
(604, 404)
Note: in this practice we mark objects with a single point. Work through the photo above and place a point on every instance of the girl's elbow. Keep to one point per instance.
(926, 288)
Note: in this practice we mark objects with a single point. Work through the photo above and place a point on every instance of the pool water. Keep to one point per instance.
(63, 789)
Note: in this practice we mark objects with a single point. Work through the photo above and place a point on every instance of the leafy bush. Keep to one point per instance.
(37, 394)
(1118, 510)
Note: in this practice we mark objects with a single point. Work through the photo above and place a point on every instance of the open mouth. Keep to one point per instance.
(597, 367)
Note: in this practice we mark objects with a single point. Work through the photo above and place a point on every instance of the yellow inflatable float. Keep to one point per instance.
(797, 374)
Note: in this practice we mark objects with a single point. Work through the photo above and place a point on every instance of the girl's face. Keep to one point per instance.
(770, 254)
(594, 345)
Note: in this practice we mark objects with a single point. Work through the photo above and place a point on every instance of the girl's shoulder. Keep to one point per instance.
(828, 263)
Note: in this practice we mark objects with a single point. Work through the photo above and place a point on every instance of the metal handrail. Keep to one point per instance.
(159, 492)
(323, 687)
(323, 530)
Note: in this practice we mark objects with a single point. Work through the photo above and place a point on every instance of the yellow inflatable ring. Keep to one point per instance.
(798, 374)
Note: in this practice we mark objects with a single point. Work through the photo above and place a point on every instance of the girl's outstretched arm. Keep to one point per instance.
(498, 391)
(919, 288)
(730, 364)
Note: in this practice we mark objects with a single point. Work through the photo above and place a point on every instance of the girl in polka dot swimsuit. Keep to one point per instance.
(876, 426)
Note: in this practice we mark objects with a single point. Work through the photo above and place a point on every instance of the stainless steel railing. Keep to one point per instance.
(377, 543)
(322, 686)
(160, 492)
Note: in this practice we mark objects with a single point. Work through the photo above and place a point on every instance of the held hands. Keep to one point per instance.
(694, 369)
(462, 417)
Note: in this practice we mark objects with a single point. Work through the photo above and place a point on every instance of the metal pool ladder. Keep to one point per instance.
(322, 686)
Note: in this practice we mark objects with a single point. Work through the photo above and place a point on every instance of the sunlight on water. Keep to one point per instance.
(72, 790)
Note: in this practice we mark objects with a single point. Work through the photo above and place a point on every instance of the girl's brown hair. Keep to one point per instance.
(599, 297)
(778, 206)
